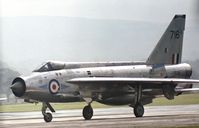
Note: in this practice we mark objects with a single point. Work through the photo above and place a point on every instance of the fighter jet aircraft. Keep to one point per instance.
(112, 83)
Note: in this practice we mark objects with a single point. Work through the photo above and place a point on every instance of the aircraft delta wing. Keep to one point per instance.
(112, 83)
(100, 81)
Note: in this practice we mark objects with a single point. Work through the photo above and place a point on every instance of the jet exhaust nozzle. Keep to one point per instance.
(18, 87)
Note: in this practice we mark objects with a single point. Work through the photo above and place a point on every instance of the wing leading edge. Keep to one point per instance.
(156, 81)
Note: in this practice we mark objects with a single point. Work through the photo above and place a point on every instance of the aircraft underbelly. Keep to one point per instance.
(125, 96)
(117, 100)
(125, 99)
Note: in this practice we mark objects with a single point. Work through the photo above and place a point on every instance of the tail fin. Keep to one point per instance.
(169, 48)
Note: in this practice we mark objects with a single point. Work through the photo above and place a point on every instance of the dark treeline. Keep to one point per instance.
(6, 76)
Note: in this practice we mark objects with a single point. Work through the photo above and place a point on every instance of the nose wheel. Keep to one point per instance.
(47, 116)
(87, 112)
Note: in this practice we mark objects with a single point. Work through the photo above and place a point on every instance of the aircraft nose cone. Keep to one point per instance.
(18, 88)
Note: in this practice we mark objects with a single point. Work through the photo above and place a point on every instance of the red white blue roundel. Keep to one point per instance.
(54, 86)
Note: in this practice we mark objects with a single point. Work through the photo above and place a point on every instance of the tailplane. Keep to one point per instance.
(169, 48)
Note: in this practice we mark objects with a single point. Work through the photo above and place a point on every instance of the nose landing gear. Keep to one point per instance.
(47, 116)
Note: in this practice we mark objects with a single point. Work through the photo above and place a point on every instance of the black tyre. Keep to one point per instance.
(138, 110)
(48, 117)
(87, 112)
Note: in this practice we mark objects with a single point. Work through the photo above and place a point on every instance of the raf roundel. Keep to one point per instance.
(54, 86)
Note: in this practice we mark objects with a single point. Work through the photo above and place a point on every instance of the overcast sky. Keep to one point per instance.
(150, 11)
(103, 9)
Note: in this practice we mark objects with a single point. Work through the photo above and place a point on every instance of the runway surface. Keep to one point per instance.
(121, 117)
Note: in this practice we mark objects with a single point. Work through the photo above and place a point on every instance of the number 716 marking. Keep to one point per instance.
(175, 34)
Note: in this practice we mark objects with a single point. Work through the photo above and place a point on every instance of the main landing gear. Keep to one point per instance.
(47, 116)
(87, 112)
(138, 107)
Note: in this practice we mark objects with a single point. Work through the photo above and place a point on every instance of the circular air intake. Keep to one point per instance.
(18, 87)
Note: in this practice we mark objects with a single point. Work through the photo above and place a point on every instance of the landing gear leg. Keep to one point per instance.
(47, 116)
(138, 107)
(87, 112)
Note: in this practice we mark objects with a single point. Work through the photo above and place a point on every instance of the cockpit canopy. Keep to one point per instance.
(49, 66)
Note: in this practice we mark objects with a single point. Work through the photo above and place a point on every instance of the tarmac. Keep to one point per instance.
(120, 117)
